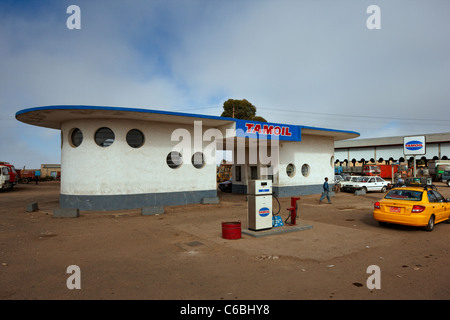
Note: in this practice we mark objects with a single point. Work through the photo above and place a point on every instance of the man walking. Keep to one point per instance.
(326, 190)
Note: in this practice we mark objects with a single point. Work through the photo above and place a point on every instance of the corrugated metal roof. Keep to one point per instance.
(387, 141)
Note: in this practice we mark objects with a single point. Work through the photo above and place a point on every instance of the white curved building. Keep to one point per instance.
(115, 158)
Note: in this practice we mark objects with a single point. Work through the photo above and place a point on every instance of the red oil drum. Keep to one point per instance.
(231, 230)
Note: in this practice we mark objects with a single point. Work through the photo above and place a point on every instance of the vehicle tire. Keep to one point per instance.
(364, 189)
(430, 225)
(448, 182)
(383, 189)
(382, 223)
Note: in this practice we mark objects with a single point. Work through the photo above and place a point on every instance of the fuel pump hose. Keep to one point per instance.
(279, 205)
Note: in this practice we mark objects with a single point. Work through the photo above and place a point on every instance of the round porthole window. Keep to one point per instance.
(104, 137)
(174, 159)
(76, 137)
(290, 170)
(135, 138)
(305, 170)
(198, 160)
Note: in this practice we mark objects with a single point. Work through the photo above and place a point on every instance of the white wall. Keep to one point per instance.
(445, 149)
(387, 152)
(315, 151)
(120, 169)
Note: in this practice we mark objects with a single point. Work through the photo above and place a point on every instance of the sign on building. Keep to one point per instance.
(413, 146)
(265, 130)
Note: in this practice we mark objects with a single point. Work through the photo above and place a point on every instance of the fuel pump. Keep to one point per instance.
(259, 208)
(259, 214)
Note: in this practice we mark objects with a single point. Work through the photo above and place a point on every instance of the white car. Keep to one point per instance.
(369, 183)
(349, 180)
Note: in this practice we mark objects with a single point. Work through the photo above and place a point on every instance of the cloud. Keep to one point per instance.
(298, 62)
(322, 57)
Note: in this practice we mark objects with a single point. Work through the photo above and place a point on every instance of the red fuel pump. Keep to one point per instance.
(293, 211)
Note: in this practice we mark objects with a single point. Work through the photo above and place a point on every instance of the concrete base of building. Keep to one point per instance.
(133, 201)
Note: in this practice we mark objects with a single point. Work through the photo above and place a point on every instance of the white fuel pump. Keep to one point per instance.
(259, 213)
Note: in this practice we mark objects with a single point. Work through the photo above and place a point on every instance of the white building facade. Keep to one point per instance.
(116, 158)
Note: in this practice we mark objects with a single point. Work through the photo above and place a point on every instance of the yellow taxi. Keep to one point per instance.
(412, 206)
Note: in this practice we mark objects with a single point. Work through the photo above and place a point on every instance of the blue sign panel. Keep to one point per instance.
(414, 145)
(265, 130)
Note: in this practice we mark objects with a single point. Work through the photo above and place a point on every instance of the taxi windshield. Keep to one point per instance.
(404, 195)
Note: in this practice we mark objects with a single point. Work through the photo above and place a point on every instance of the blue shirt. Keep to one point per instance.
(325, 186)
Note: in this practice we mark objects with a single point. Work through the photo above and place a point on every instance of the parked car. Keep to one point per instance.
(446, 177)
(368, 183)
(226, 185)
(348, 180)
(413, 206)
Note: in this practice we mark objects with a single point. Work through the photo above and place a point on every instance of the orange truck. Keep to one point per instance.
(25, 176)
(382, 170)
(386, 171)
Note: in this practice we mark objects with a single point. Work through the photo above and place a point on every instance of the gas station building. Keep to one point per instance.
(390, 149)
(115, 158)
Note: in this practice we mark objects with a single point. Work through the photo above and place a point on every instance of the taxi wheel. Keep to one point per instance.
(430, 225)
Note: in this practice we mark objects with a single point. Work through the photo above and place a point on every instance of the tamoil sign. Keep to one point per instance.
(414, 145)
(255, 129)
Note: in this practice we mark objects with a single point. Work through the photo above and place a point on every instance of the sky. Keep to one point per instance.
(301, 62)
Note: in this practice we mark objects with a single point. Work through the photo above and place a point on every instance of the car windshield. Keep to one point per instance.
(404, 195)
(352, 178)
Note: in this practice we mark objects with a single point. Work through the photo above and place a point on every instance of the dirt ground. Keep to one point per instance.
(181, 254)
